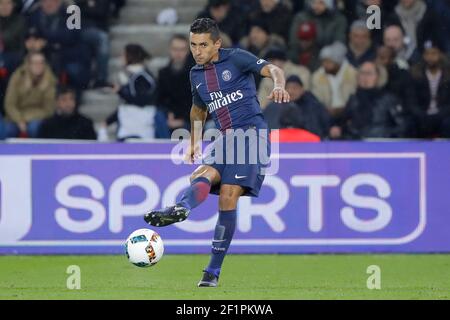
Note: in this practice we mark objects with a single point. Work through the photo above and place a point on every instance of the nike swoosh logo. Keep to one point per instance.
(198, 86)
(239, 177)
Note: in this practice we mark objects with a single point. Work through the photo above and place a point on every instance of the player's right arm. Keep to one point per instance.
(198, 118)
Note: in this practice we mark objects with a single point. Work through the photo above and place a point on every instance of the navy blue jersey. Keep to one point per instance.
(226, 88)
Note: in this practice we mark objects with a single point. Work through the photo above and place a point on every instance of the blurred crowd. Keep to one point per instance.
(346, 81)
(45, 65)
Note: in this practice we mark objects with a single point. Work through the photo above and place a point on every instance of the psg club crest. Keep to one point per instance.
(226, 75)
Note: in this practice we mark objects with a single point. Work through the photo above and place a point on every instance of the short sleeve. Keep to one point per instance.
(247, 62)
(196, 99)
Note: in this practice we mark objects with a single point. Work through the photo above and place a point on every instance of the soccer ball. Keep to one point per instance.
(144, 248)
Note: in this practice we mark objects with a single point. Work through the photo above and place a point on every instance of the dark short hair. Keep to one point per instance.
(218, 3)
(63, 90)
(291, 117)
(276, 53)
(135, 53)
(261, 24)
(294, 79)
(206, 25)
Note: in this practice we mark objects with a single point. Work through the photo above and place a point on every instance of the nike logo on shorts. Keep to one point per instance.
(239, 177)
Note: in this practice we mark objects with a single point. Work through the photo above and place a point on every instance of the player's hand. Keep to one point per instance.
(193, 153)
(279, 95)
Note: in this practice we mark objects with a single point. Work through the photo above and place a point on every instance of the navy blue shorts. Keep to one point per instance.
(241, 157)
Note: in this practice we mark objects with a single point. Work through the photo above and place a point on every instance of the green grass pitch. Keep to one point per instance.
(243, 277)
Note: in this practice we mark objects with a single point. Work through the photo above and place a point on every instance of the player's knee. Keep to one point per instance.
(227, 202)
(207, 173)
(228, 198)
(197, 174)
(193, 177)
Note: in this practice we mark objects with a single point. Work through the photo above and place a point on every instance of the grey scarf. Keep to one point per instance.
(410, 19)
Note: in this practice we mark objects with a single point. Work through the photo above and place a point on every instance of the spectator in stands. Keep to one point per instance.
(12, 33)
(276, 15)
(246, 7)
(331, 24)
(230, 19)
(370, 112)
(292, 127)
(361, 14)
(117, 5)
(432, 84)
(174, 89)
(335, 81)
(259, 40)
(298, 5)
(360, 48)
(12, 29)
(95, 19)
(418, 22)
(138, 116)
(442, 9)
(400, 84)
(279, 58)
(312, 115)
(395, 39)
(307, 51)
(67, 123)
(35, 42)
(30, 97)
(68, 56)
(26, 6)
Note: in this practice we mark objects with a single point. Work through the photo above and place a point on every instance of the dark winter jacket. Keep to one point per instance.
(373, 113)
(64, 44)
(422, 89)
(313, 116)
(75, 126)
(331, 27)
(95, 13)
(278, 20)
(174, 91)
(12, 33)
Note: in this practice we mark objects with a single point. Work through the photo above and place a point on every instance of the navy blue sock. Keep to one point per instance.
(222, 238)
(196, 193)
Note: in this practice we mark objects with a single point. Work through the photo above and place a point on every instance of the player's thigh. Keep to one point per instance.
(207, 172)
(229, 196)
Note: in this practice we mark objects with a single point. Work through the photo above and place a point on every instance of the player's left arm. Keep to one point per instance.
(279, 93)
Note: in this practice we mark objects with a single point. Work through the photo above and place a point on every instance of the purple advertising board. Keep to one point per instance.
(324, 198)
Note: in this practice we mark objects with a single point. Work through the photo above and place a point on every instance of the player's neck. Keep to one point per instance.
(214, 58)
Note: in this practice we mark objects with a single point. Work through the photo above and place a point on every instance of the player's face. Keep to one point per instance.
(203, 48)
